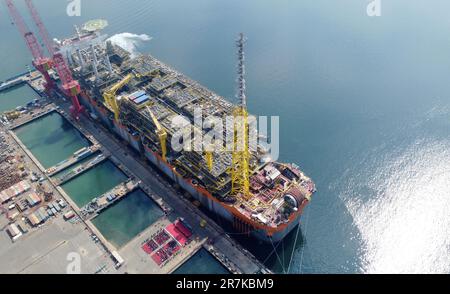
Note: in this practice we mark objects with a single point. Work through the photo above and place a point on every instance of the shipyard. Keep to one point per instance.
(88, 166)
(37, 208)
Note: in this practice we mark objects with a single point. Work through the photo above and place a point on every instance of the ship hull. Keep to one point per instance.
(222, 210)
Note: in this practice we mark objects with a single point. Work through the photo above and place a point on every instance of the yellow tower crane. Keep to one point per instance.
(162, 134)
(240, 170)
(110, 95)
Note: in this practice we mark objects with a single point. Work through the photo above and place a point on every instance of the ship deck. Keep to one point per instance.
(278, 189)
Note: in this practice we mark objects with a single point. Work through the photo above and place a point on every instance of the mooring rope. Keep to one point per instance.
(270, 254)
(293, 248)
(278, 257)
(304, 245)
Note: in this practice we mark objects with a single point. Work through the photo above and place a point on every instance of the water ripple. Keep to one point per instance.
(405, 228)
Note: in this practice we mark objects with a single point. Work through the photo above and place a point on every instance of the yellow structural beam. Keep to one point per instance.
(209, 159)
(160, 132)
(110, 95)
(240, 173)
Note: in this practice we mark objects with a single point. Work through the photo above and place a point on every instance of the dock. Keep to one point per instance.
(102, 202)
(75, 158)
(79, 169)
(28, 118)
(15, 81)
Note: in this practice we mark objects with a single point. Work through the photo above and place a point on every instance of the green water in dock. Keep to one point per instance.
(127, 218)
(16, 96)
(93, 183)
(202, 263)
(51, 139)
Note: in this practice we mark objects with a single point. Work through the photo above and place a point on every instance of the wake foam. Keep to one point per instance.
(129, 41)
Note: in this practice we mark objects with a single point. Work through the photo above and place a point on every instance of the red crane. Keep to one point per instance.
(41, 63)
(70, 86)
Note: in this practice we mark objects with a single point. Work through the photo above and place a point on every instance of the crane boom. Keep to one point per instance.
(162, 134)
(110, 95)
(63, 71)
(30, 39)
(70, 86)
(41, 63)
(111, 100)
(42, 30)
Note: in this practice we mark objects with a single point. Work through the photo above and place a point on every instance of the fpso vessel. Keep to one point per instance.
(280, 191)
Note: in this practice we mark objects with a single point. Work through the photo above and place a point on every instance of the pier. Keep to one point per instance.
(75, 158)
(102, 202)
(28, 118)
(79, 169)
(21, 79)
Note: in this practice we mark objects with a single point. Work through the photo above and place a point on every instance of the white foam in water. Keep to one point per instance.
(406, 227)
(129, 41)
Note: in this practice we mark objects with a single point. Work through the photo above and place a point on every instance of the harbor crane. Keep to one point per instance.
(70, 86)
(40, 62)
(110, 95)
(111, 100)
(161, 132)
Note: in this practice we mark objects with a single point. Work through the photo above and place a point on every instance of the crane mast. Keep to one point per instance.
(240, 170)
(70, 86)
(160, 132)
(40, 62)
(110, 95)
(41, 27)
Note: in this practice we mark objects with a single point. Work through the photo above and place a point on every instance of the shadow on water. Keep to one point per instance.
(201, 263)
(51, 138)
(127, 217)
(277, 256)
(16, 96)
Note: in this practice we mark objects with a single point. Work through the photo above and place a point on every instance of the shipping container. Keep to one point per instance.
(69, 215)
(56, 206)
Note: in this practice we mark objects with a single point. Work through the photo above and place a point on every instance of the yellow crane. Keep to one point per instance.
(240, 163)
(110, 95)
(162, 134)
